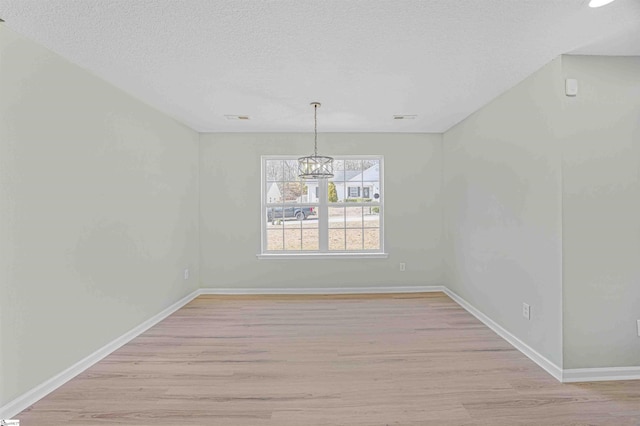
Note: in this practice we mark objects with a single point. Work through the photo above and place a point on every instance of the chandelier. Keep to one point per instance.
(315, 166)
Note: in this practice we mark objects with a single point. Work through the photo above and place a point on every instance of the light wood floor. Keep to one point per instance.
(414, 359)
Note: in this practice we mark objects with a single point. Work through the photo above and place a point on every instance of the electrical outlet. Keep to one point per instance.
(526, 311)
(403, 266)
(186, 274)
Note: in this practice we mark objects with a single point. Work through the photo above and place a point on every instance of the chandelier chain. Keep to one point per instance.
(315, 129)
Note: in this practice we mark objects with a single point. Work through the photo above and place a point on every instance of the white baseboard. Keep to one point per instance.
(562, 375)
(529, 352)
(573, 375)
(328, 290)
(34, 395)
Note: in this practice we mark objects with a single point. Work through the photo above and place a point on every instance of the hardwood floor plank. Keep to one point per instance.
(387, 359)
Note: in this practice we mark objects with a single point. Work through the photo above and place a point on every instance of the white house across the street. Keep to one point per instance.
(349, 184)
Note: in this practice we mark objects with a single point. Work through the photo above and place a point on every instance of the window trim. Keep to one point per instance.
(321, 205)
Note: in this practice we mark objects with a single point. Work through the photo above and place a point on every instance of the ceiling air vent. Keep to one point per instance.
(237, 117)
(405, 117)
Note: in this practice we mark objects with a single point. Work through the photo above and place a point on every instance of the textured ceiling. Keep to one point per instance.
(365, 60)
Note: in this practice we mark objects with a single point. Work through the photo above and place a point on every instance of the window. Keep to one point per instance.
(339, 216)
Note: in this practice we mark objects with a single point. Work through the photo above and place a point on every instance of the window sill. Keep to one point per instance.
(284, 256)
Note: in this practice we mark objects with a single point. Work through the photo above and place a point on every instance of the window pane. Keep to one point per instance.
(336, 217)
(273, 193)
(372, 188)
(353, 165)
(273, 170)
(335, 191)
(354, 239)
(310, 191)
(371, 239)
(352, 183)
(370, 166)
(371, 217)
(274, 239)
(336, 239)
(290, 170)
(354, 217)
(292, 239)
(274, 217)
(370, 179)
(336, 187)
(310, 222)
(310, 239)
(341, 190)
(277, 215)
(294, 192)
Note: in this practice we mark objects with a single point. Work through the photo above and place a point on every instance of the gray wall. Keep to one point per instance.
(100, 194)
(230, 212)
(541, 196)
(601, 209)
(502, 205)
(98, 213)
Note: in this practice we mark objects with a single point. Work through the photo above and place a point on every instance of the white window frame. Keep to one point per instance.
(322, 205)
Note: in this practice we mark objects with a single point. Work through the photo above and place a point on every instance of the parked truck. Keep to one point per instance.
(289, 212)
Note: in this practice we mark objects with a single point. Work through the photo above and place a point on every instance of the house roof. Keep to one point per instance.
(273, 186)
(344, 175)
(369, 175)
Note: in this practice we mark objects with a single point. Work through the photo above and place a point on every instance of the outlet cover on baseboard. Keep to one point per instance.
(186, 274)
